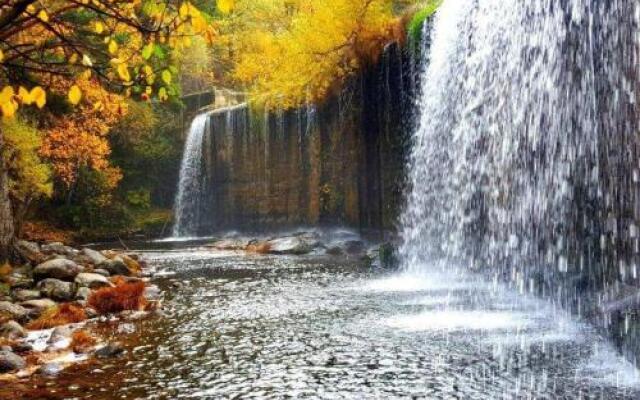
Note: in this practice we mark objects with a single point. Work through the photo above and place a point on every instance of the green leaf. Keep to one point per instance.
(147, 51)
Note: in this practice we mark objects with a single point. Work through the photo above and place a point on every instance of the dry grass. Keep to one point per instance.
(259, 248)
(125, 296)
(82, 341)
(63, 314)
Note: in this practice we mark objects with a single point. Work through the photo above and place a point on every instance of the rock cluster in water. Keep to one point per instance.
(51, 276)
(337, 243)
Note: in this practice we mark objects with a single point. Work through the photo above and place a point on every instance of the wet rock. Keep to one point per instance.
(59, 268)
(56, 289)
(95, 256)
(126, 328)
(230, 244)
(21, 295)
(92, 281)
(152, 292)
(51, 369)
(110, 350)
(290, 245)
(83, 294)
(115, 267)
(12, 330)
(60, 337)
(22, 347)
(335, 251)
(10, 362)
(30, 251)
(37, 307)
(13, 311)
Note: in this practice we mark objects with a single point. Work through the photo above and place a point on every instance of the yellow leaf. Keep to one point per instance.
(31, 9)
(6, 94)
(25, 96)
(166, 76)
(73, 59)
(97, 106)
(184, 10)
(162, 94)
(123, 72)
(39, 96)
(1, 56)
(148, 90)
(99, 27)
(113, 47)
(44, 17)
(225, 6)
(75, 94)
(86, 61)
(8, 109)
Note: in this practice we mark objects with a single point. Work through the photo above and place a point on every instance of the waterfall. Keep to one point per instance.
(526, 151)
(188, 204)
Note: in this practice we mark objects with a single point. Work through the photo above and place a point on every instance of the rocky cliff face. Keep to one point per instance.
(337, 163)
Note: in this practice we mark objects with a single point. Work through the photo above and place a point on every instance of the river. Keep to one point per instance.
(257, 326)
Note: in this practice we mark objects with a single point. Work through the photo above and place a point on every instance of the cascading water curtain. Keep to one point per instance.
(526, 149)
(190, 187)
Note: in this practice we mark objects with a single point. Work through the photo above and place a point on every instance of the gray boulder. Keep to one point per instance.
(59, 268)
(290, 245)
(56, 289)
(30, 251)
(101, 272)
(20, 295)
(92, 281)
(95, 256)
(115, 267)
(12, 330)
(54, 248)
(13, 311)
(10, 362)
(37, 307)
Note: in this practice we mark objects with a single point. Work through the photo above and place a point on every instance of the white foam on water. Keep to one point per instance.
(458, 320)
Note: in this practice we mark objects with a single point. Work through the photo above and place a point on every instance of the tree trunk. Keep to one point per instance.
(6, 217)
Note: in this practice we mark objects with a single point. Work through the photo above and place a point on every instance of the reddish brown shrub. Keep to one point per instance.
(82, 342)
(63, 314)
(125, 296)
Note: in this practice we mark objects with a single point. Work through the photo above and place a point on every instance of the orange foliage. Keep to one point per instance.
(80, 139)
(81, 341)
(123, 297)
(41, 232)
(63, 314)
(259, 248)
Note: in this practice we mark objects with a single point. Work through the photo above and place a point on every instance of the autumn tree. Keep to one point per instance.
(75, 61)
(290, 52)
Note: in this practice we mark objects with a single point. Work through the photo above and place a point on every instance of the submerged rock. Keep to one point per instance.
(110, 350)
(51, 369)
(10, 362)
(59, 268)
(56, 289)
